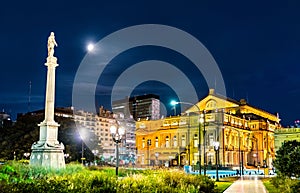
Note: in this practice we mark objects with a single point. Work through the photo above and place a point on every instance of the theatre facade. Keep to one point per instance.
(242, 134)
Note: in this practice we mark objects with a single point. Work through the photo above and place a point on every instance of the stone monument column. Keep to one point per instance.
(48, 152)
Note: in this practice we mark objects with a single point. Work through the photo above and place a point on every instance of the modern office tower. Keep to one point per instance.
(143, 107)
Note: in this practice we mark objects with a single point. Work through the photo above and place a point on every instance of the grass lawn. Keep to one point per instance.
(269, 186)
(224, 183)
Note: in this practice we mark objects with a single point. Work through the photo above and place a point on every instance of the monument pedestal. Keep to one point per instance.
(48, 152)
(48, 157)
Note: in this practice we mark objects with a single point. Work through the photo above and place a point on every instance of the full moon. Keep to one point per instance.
(90, 47)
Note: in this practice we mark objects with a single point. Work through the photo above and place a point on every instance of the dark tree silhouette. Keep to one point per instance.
(287, 160)
(17, 139)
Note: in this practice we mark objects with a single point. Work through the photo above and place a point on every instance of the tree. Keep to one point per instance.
(17, 139)
(287, 160)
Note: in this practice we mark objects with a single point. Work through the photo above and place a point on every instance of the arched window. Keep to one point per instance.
(175, 141)
(143, 143)
(143, 159)
(156, 141)
(195, 140)
(212, 104)
(183, 142)
(167, 141)
(211, 139)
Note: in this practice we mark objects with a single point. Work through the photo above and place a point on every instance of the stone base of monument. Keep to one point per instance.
(47, 155)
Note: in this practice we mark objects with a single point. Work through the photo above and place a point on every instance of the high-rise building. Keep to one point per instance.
(143, 107)
(122, 107)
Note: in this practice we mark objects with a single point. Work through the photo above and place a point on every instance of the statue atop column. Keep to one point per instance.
(48, 151)
(51, 44)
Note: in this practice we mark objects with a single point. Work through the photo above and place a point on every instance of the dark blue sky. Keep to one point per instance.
(256, 45)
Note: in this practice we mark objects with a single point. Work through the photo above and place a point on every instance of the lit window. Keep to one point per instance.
(211, 140)
(183, 142)
(156, 141)
(143, 143)
(175, 141)
(195, 140)
(167, 141)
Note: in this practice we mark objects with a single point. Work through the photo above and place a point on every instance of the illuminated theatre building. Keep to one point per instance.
(245, 134)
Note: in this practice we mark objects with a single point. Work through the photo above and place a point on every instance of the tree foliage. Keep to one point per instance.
(17, 139)
(287, 160)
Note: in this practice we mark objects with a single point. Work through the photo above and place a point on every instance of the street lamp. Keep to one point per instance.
(241, 167)
(117, 132)
(193, 165)
(82, 136)
(173, 103)
(216, 147)
(95, 152)
(256, 153)
(148, 147)
(156, 155)
(202, 121)
(26, 155)
(66, 155)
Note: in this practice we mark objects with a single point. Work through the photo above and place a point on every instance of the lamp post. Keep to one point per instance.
(193, 165)
(66, 155)
(199, 129)
(82, 153)
(156, 156)
(148, 147)
(26, 155)
(239, 150)
(204, 143)
(117, 132)
(256, 154)
(216, 147)
(95, 152)
(202, 121)
(82, 147)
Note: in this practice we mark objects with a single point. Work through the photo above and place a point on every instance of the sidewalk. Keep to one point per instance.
(247, 184)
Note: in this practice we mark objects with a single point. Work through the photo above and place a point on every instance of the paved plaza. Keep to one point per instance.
(247, 184)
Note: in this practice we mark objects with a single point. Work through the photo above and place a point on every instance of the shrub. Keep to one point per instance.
(166, 181)
(8, 173)
(285, 184)
(296, 187)
(76, 178)
(287, 159)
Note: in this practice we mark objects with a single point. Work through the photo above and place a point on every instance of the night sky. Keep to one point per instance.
(256, 46)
